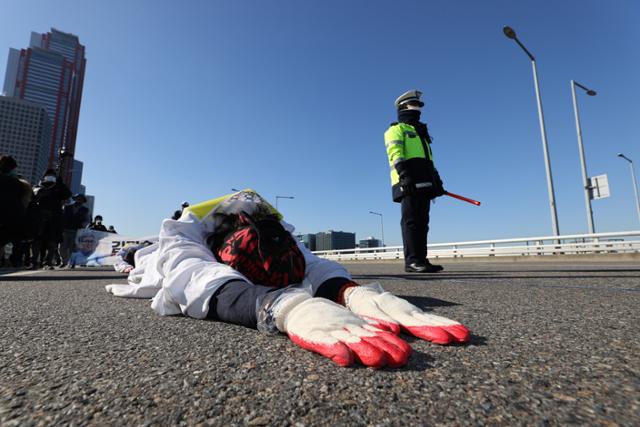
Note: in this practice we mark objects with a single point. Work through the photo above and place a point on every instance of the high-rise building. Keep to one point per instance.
(50, 72)
(369, 242)
(309, 240)
(24, 134)
(76, 177)
(91, 202)
(330, 240)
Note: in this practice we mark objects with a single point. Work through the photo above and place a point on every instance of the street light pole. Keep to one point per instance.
(510, 33)
(633, 178)
(282, 197)
(583, 163)
(381, 225)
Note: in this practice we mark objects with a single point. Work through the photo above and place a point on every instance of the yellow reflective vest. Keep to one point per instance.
(405, 146)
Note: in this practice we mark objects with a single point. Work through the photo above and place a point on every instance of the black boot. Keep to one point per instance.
(415, 267)
(432, 268)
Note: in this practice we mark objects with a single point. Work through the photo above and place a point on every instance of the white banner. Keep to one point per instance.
(94, 248)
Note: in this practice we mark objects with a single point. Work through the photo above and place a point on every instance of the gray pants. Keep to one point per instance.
(68, 244)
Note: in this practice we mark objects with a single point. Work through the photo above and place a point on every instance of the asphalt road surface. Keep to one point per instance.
(553, 344)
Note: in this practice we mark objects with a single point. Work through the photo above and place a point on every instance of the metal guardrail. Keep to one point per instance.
(572, 244)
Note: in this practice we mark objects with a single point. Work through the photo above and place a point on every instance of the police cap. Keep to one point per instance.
(410, 96)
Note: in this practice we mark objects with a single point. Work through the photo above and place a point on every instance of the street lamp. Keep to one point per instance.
(282, 197)
(583, 163)
(381, 224)
(510, 33)
(633, 178)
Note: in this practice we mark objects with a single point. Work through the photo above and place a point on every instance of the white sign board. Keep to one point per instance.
(599, 187)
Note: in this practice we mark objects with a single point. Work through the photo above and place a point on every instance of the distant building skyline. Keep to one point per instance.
(308, 240)
(331, 240)
(50, 72)
(76, 177)
(91, 202)
(25, 132)
(370, 242)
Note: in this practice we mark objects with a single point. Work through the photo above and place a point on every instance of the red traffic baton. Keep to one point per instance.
(464, 199)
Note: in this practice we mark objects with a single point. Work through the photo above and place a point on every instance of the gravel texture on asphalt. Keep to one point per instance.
(553, 344)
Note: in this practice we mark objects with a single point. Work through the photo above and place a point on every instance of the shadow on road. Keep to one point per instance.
(419, 362)
(477, 340)
(74, 278)
(495, 276)
(426, 302)
(574, 270)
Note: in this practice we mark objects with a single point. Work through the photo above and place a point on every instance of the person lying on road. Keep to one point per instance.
(234, 259)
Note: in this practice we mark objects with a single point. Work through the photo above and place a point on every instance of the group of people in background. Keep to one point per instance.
(38, 224)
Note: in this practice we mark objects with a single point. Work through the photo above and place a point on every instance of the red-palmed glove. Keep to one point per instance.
(387, 311)
(329, 329)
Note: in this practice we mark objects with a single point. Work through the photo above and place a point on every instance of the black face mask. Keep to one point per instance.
(410, 117)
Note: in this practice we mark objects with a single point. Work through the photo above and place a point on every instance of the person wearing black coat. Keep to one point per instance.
(75, 216)
(97, 224)
(12, 211)
(46, 212)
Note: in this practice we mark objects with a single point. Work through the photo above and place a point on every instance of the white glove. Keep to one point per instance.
(389, 312)
(324, 327)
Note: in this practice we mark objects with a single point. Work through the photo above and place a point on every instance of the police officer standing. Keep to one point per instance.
(414, 179)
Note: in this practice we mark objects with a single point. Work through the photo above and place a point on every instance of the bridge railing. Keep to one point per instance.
(572, 244)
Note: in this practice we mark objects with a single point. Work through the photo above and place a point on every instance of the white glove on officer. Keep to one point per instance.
(324, 327)
(389, 312)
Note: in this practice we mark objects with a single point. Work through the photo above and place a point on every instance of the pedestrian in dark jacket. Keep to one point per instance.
(97, 224)
(46, 205)
(12, 210)
(75, 216)
(21, 254)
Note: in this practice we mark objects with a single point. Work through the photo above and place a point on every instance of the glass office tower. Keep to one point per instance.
(51, 73)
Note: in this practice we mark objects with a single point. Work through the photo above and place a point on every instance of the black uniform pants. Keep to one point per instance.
(415, 226)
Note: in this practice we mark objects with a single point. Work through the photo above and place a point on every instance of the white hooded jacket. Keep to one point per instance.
(181, 273)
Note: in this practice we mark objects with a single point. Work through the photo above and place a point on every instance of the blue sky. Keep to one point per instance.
(186, 100)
